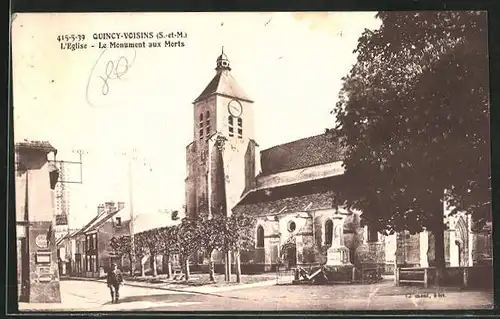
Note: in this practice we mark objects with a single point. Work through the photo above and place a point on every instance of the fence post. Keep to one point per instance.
(396, 278)
(277, 274)
(425, 277)
(465, 274)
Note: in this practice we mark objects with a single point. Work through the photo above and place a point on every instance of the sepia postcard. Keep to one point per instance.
(262, 161)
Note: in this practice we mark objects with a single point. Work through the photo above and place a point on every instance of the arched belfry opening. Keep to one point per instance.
(260, 237)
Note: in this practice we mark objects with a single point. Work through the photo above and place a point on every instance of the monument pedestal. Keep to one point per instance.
(337, 256)
(338, 265)
(44, 272)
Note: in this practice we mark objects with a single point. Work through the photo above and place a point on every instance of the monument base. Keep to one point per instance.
(338, 256)
(44, 284)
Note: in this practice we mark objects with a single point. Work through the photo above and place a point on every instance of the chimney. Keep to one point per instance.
(100, 209)
(110, 206)
(121, 205)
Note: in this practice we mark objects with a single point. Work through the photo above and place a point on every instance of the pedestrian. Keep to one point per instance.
(114, 280)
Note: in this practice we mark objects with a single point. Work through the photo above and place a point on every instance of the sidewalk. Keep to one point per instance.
(73, 302)
(180, 288)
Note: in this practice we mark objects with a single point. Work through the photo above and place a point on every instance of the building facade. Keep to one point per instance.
(93, 254)
(35, 179)
(288, 190)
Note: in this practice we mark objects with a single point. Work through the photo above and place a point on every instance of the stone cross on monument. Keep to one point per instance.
(338, 254)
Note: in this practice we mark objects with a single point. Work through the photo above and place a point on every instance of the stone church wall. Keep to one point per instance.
(408, 249)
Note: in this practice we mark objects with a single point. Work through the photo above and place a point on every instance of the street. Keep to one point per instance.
(94, 296)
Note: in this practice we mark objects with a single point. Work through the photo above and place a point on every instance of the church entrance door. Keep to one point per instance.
(291, 256)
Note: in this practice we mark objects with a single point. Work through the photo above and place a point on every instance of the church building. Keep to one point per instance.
(288, 188)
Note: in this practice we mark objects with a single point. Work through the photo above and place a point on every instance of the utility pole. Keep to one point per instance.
(132, 157)
(132, 215)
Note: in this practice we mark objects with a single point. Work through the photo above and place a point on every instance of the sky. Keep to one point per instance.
(290, 64)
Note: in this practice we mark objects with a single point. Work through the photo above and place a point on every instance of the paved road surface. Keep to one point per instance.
(94, 296)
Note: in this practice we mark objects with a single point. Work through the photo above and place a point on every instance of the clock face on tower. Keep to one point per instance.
(235, 108)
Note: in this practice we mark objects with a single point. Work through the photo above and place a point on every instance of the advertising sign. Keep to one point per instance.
(41, 241)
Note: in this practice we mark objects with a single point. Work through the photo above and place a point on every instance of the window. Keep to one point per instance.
(201, 126)
(231, 127)
(372, 235)
(207, 125)
(260, 237)
(118, 221)
(240, 128)
(328, 232)
(291, 226)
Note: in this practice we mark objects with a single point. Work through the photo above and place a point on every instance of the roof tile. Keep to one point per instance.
(310, 151)
(225, 84)
(316, 201)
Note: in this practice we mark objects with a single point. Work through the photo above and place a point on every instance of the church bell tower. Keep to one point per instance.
(222, 109)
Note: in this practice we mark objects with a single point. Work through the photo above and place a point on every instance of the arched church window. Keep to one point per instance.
(240, 128)
(260, 236)
(231, 125)
(207, 125)
(328, 232)
(201, 126)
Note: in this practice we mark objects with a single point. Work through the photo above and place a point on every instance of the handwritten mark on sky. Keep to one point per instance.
(110, 65)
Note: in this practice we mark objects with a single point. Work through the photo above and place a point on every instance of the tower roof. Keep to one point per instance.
(223, 82)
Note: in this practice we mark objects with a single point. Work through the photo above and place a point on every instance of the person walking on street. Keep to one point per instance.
(114, 280)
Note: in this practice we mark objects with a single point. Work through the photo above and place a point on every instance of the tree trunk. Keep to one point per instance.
(225, 267)
(229, 264)
(155, 270)
(186, 266)
(169, 266)
(211, 267)
(238, 266)
(143, 272)
(438, 230)
(131, 265)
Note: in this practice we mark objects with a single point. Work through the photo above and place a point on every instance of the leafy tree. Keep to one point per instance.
(239, 236)
(188, 241)
(413, 116)
(122, 247)
(168, 235)
(141, 249)
(212, 238)
(155, 244)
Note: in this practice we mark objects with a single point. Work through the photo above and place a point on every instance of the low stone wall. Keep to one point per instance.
(247, 269)
(471, 277)
(480, 277)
